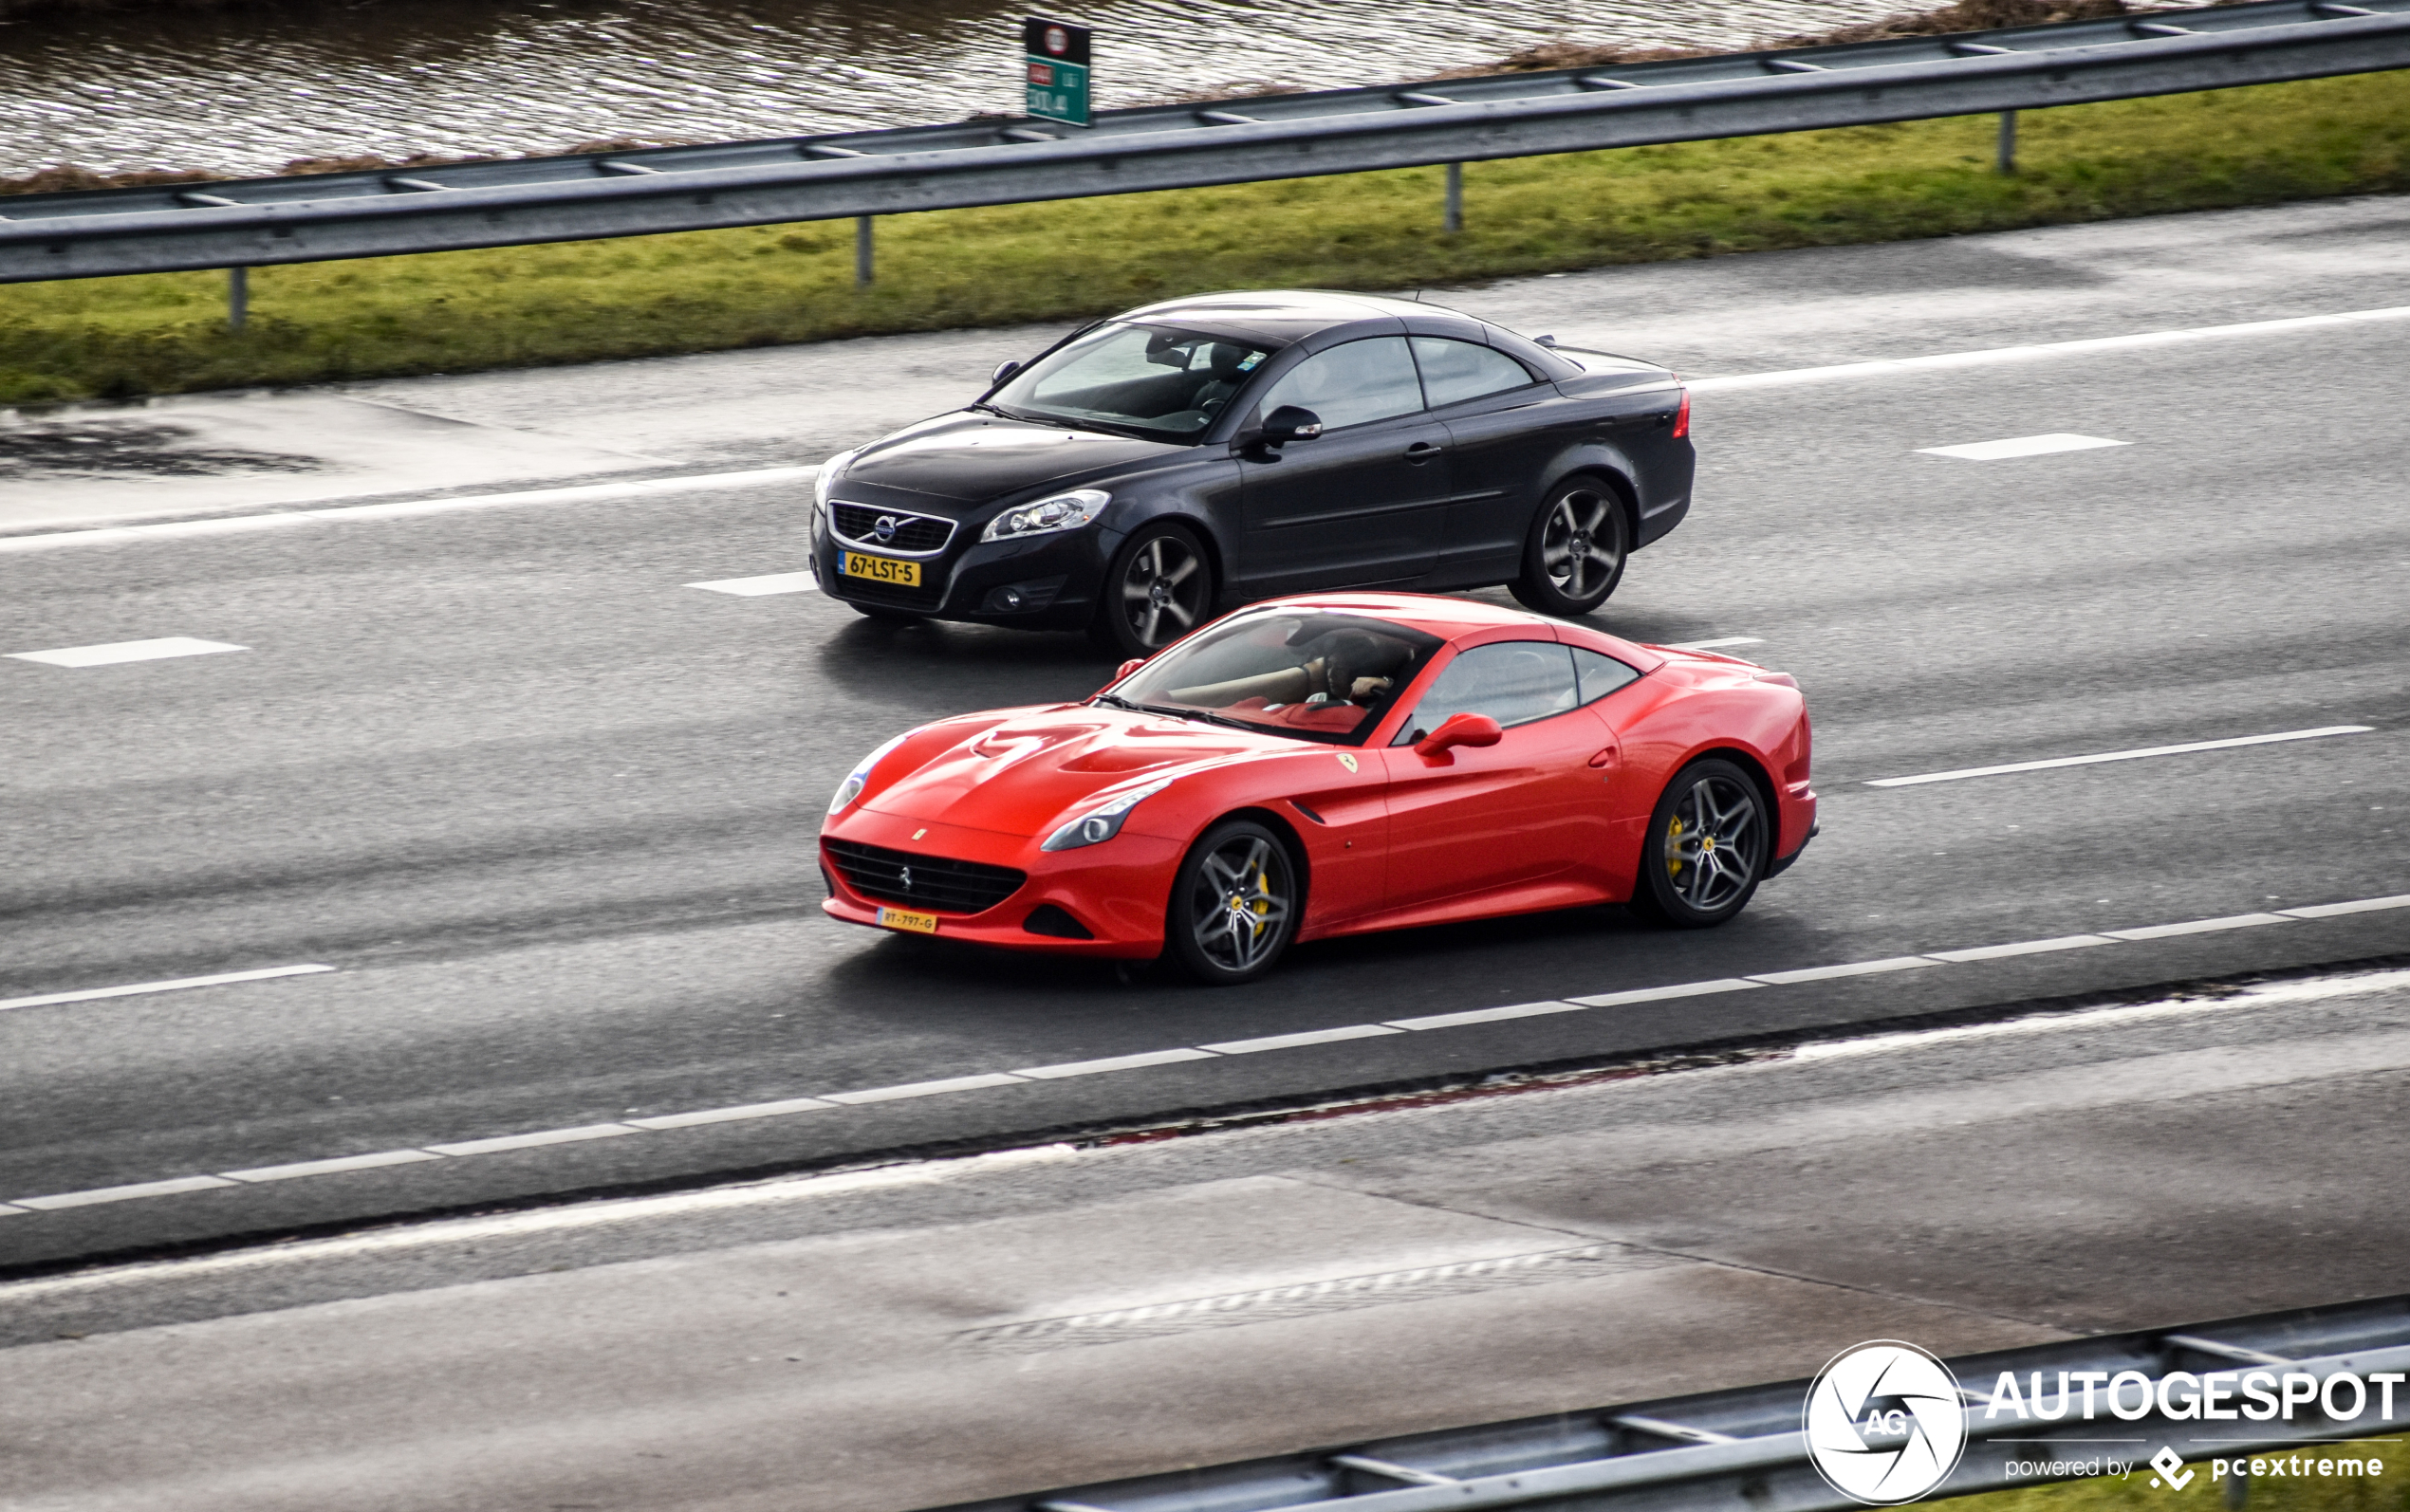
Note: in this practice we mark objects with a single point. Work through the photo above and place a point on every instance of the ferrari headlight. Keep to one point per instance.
(830, 472)
(860, 777)
(1103, 821)
(1061, 512)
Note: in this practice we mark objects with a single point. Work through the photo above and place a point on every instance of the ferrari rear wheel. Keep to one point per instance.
(1707, 846)
(1234, 904)
(1159, 589)
(1574, 557)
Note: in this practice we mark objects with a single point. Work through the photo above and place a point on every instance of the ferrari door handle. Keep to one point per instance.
(1608, 757)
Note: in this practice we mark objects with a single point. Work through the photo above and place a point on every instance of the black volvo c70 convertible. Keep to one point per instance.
(1151, 470)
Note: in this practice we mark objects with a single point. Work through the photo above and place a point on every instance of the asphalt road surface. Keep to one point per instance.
(1009, 1323)
(548, 809)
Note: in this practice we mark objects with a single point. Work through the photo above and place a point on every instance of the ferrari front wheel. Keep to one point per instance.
(1234, 904)
(1707, 846)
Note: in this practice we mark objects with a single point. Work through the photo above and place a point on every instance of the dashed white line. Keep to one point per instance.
(124, 650)
(1997, 952)
(758, 587)
(2166, 932)
(2046, 351)
(1716, 645)
(404, 509)
(1177, 1054)
(178, 985)
(2021, 446)
(1965, 772)
(1827, 973)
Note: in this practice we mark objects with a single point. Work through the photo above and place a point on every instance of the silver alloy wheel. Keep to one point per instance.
(1239, 906)
(1713, 842)
(1579, 549)
(1164, 591)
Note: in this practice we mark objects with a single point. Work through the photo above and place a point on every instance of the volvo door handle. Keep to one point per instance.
(1422, 452)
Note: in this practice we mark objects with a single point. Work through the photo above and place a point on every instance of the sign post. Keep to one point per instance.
(1055, 63)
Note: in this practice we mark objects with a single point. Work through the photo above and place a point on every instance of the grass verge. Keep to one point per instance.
(2142, 1492)
(706, 290)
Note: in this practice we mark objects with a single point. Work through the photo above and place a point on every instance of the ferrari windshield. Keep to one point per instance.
(1317, 676)
(1157, 381)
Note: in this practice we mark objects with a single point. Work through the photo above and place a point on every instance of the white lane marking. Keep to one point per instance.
(2363, 905)
(1687, 989)
(1716, 645)
(1825, 974)
(750, 1110)
(2088, 1019)
(2021, 446)
(1452, 1021)
(924, 1089)
(2188, 747)
(1295, 1041)
(328, 1168)
(1995, 952)
(178, 985)
(140, 1189)
(110, 655)
(2046, 351)
(1118, 1062)
(927, 1089)
(756, 587)
(2163, 932)
(531, 1141)
(405, 509)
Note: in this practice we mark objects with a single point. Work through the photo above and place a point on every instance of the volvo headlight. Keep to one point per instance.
(830, 472)
(1103, 821)
(1061, 512)
(860, 777)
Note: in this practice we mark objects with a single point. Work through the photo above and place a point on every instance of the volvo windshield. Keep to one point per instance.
(1155, 381)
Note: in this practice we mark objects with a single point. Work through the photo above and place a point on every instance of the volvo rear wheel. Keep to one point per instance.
(1576, 551)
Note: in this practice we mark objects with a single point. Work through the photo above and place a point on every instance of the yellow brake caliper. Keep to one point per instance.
(1673, 847)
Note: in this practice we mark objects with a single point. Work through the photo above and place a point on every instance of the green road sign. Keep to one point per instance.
(1055, 62)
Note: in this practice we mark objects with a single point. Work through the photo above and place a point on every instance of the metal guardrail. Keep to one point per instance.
(320, 217)
(1743, 1450)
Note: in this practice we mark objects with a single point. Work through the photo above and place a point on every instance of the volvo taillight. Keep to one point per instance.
(1682, 418)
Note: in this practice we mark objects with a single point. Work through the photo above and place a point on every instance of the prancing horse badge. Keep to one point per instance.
(1345, 759)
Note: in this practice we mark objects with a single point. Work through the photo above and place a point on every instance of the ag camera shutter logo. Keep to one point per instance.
(1884, 1422)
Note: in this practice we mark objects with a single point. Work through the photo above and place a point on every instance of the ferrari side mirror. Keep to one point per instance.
(1004, 370)
(1290, 423)
(1128, 667)
(1459, 730)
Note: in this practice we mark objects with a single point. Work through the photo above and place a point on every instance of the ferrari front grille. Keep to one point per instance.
(857, 524)
(932, 882)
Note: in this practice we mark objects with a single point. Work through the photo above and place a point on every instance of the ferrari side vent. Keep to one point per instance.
(931, 882)
(1050, 919)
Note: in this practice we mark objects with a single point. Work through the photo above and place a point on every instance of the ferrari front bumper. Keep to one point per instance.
(1116, 892)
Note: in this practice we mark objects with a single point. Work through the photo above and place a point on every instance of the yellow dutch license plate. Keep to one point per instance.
(882, 569)
(905, 919)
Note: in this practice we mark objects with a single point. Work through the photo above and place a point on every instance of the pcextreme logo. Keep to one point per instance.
(1884, 1422)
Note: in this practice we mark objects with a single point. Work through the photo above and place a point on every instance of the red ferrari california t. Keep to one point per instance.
(1327, 764)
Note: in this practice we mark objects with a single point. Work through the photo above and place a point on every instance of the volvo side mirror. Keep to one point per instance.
(1004, 370)
(1290, 423)
(1459, 730)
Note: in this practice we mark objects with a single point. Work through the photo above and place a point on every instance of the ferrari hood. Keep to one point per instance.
(1022, 775)
(971, 458)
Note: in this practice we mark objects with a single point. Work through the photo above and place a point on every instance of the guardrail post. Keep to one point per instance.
(238, 297)
(1454, 217)
(862, 269)
(2008, 141)
(2237, 1487)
